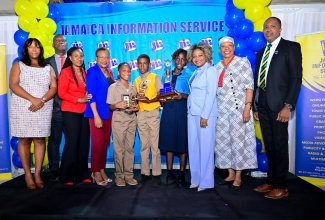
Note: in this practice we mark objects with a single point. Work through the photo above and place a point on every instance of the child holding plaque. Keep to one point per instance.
(120, 100)
(173, 125)
(148, 119)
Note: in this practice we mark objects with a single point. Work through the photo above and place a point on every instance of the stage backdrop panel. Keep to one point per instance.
(133, 28)
(310, 124)
(5, 164)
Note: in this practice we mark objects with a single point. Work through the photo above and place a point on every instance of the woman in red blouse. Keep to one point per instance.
(73, 92)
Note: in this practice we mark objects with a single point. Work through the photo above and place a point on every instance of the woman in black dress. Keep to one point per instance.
(173, 125)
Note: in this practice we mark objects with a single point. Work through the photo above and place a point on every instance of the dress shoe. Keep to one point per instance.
(181, 181)
(40, 185)
(144, 178)
(235, 188)
(225, 182)
(277, 193)
(30, 183)
(86, 181)
(156, 180)
(201, 189)
(264, 188)
(170, 179)
(131, 182)
(193, 186)
(120, 182)
(68, 184)
(54, 175)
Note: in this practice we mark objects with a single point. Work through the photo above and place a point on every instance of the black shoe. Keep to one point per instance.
(54, 176)
(235, 188)
(181, 181)
(224, 182)
(143, 178)
(170, 179)
(156, 180)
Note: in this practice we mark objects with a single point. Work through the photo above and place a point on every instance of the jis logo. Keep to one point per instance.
(184, 44)
(133, 64)
(91, 64)
(322, 43)
(77, 44)
(207, 40)
(130, 46)
(114, 63)
(157, 45)
(104, 44)
(156, 64)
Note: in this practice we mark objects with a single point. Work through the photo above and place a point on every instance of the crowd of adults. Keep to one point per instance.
(208, 120)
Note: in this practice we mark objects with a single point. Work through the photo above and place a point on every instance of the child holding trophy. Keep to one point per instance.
(122, 100)
(148, 119)
(173, 125)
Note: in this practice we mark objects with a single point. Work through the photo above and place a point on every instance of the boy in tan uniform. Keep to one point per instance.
(123, 125)
(148, 119)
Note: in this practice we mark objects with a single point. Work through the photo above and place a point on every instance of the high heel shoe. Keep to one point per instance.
(40, 185)
(30, 183)
(101, 183)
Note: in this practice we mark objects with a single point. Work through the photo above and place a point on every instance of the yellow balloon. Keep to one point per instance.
(39, 9)
(45, 1)
(32, 147)
(47, 25)
(46, 159)
(38, 34)
(27, 23)
(50, 40)
(241, 4)
(22, 7)
(267, 13)
(258, 25)
(48, 51)
(254, 12)
(263, 2)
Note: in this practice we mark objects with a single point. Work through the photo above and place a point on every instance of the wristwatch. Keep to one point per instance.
(43, 99)
(288, 106)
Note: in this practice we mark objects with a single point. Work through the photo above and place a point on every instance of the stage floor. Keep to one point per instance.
(89, 201)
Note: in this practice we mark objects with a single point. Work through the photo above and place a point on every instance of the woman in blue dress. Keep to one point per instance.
(173, 125)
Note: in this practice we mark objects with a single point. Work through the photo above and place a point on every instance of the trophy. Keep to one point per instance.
(133, 102)
(142, 88)
(168, 72)
(126, 98)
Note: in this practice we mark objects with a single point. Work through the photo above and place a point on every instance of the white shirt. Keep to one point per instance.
(272, 51)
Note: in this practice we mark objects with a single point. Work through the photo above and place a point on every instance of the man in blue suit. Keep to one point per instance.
(278, 77)
(54, 141)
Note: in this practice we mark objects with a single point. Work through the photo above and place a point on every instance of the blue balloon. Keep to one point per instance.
(14, 143)
(249, 54)
(244, 28)
(20, 51)
(262, 162)
(16, 160)
(240, 46)
(54, 13)
(231, 33)
(233, 16)
(256, 41)
(259, 146)
(20, 37)
(230, 5)
(15, 60)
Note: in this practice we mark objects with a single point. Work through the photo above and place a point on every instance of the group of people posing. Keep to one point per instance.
(209, 120)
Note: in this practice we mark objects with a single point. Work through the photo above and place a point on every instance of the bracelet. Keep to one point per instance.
(250, 103)
(43, 101)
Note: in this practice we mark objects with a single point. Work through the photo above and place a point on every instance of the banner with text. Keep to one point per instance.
(5, 162)
(310, 140)
(129, 29)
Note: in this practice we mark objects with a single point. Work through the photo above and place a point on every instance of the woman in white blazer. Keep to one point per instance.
(202, 116)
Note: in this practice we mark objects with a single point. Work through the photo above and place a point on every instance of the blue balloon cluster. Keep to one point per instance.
(15, 156)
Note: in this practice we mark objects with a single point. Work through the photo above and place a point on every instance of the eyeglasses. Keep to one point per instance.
(103, 58)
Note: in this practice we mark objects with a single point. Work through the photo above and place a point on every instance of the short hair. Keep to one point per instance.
(277, 19)
(205, 48)
(122, 64)
(25, 56)
(178, 52)
(145, 56)
(102, 49)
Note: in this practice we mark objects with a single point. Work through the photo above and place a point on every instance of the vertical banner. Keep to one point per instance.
(5, 164)
(310, 138)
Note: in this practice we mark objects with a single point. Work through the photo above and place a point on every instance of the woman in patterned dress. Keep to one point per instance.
(33, 84)
(235, 148)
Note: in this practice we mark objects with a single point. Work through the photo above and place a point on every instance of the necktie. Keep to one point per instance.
(62, 60)
(263, 69)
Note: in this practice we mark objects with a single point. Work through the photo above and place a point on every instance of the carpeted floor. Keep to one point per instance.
(89, 201)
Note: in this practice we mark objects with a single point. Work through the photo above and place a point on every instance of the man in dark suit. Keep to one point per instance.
(278, 77)
(53, 147)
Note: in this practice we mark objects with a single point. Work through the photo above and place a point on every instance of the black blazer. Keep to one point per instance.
(284, 75)
(56, 100)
